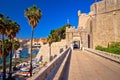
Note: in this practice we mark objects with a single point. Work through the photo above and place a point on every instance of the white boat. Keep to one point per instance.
(20, 49)
(29, 50)
(24, 69)
(17, 56)
(17, 52)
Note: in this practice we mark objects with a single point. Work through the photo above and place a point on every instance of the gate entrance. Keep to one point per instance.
(76, 45)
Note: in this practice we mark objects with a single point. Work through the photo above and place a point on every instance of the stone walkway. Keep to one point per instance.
(88, 66)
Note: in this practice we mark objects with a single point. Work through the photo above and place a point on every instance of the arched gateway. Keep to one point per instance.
(78, 37)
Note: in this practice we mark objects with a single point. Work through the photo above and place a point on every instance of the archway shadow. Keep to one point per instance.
(76, 44)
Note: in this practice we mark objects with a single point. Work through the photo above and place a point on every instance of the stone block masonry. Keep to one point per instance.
(106, 23)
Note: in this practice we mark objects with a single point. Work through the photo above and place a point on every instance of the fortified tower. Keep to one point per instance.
(78, 35)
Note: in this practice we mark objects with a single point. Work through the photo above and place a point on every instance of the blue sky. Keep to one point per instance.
(54, 14)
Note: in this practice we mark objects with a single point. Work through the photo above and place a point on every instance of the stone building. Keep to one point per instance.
(100, 27)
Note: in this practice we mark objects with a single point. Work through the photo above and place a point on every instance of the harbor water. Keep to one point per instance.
(23, 55)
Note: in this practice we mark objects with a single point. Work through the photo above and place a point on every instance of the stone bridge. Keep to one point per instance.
(88, 64)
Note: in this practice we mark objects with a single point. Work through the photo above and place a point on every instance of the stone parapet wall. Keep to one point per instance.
(48, 71)
(110, 56)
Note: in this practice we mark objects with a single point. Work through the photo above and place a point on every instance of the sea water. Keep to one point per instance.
(23, 55)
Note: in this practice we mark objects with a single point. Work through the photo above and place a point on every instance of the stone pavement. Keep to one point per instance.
(88, 66)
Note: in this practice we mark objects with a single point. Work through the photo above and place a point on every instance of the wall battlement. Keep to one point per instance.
(105, 6)
(71, 29)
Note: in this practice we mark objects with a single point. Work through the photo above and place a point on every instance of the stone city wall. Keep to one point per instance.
(106, 25)
(56, 49)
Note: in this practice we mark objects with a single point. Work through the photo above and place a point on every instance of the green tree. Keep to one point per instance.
(33, 14)
(7, 47)
(49, 40)
(11, 33)
(59, 33)
(9, 28)
(3, 27)
(16, 45)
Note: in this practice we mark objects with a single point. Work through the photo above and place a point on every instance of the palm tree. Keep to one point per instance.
(49, 40)
(7, 48)
(16, 45)
(11, 33)
(3, 28)
(33, 14)
(7, 45)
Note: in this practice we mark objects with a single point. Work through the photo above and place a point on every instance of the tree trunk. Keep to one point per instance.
(10, 67)
(4, 60)
(15, 58)
(50, 52)
(31, 52)
(4, 68)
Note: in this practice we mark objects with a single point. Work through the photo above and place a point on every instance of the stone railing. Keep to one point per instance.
(49, 70)
(110, 56)
(60, 73)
